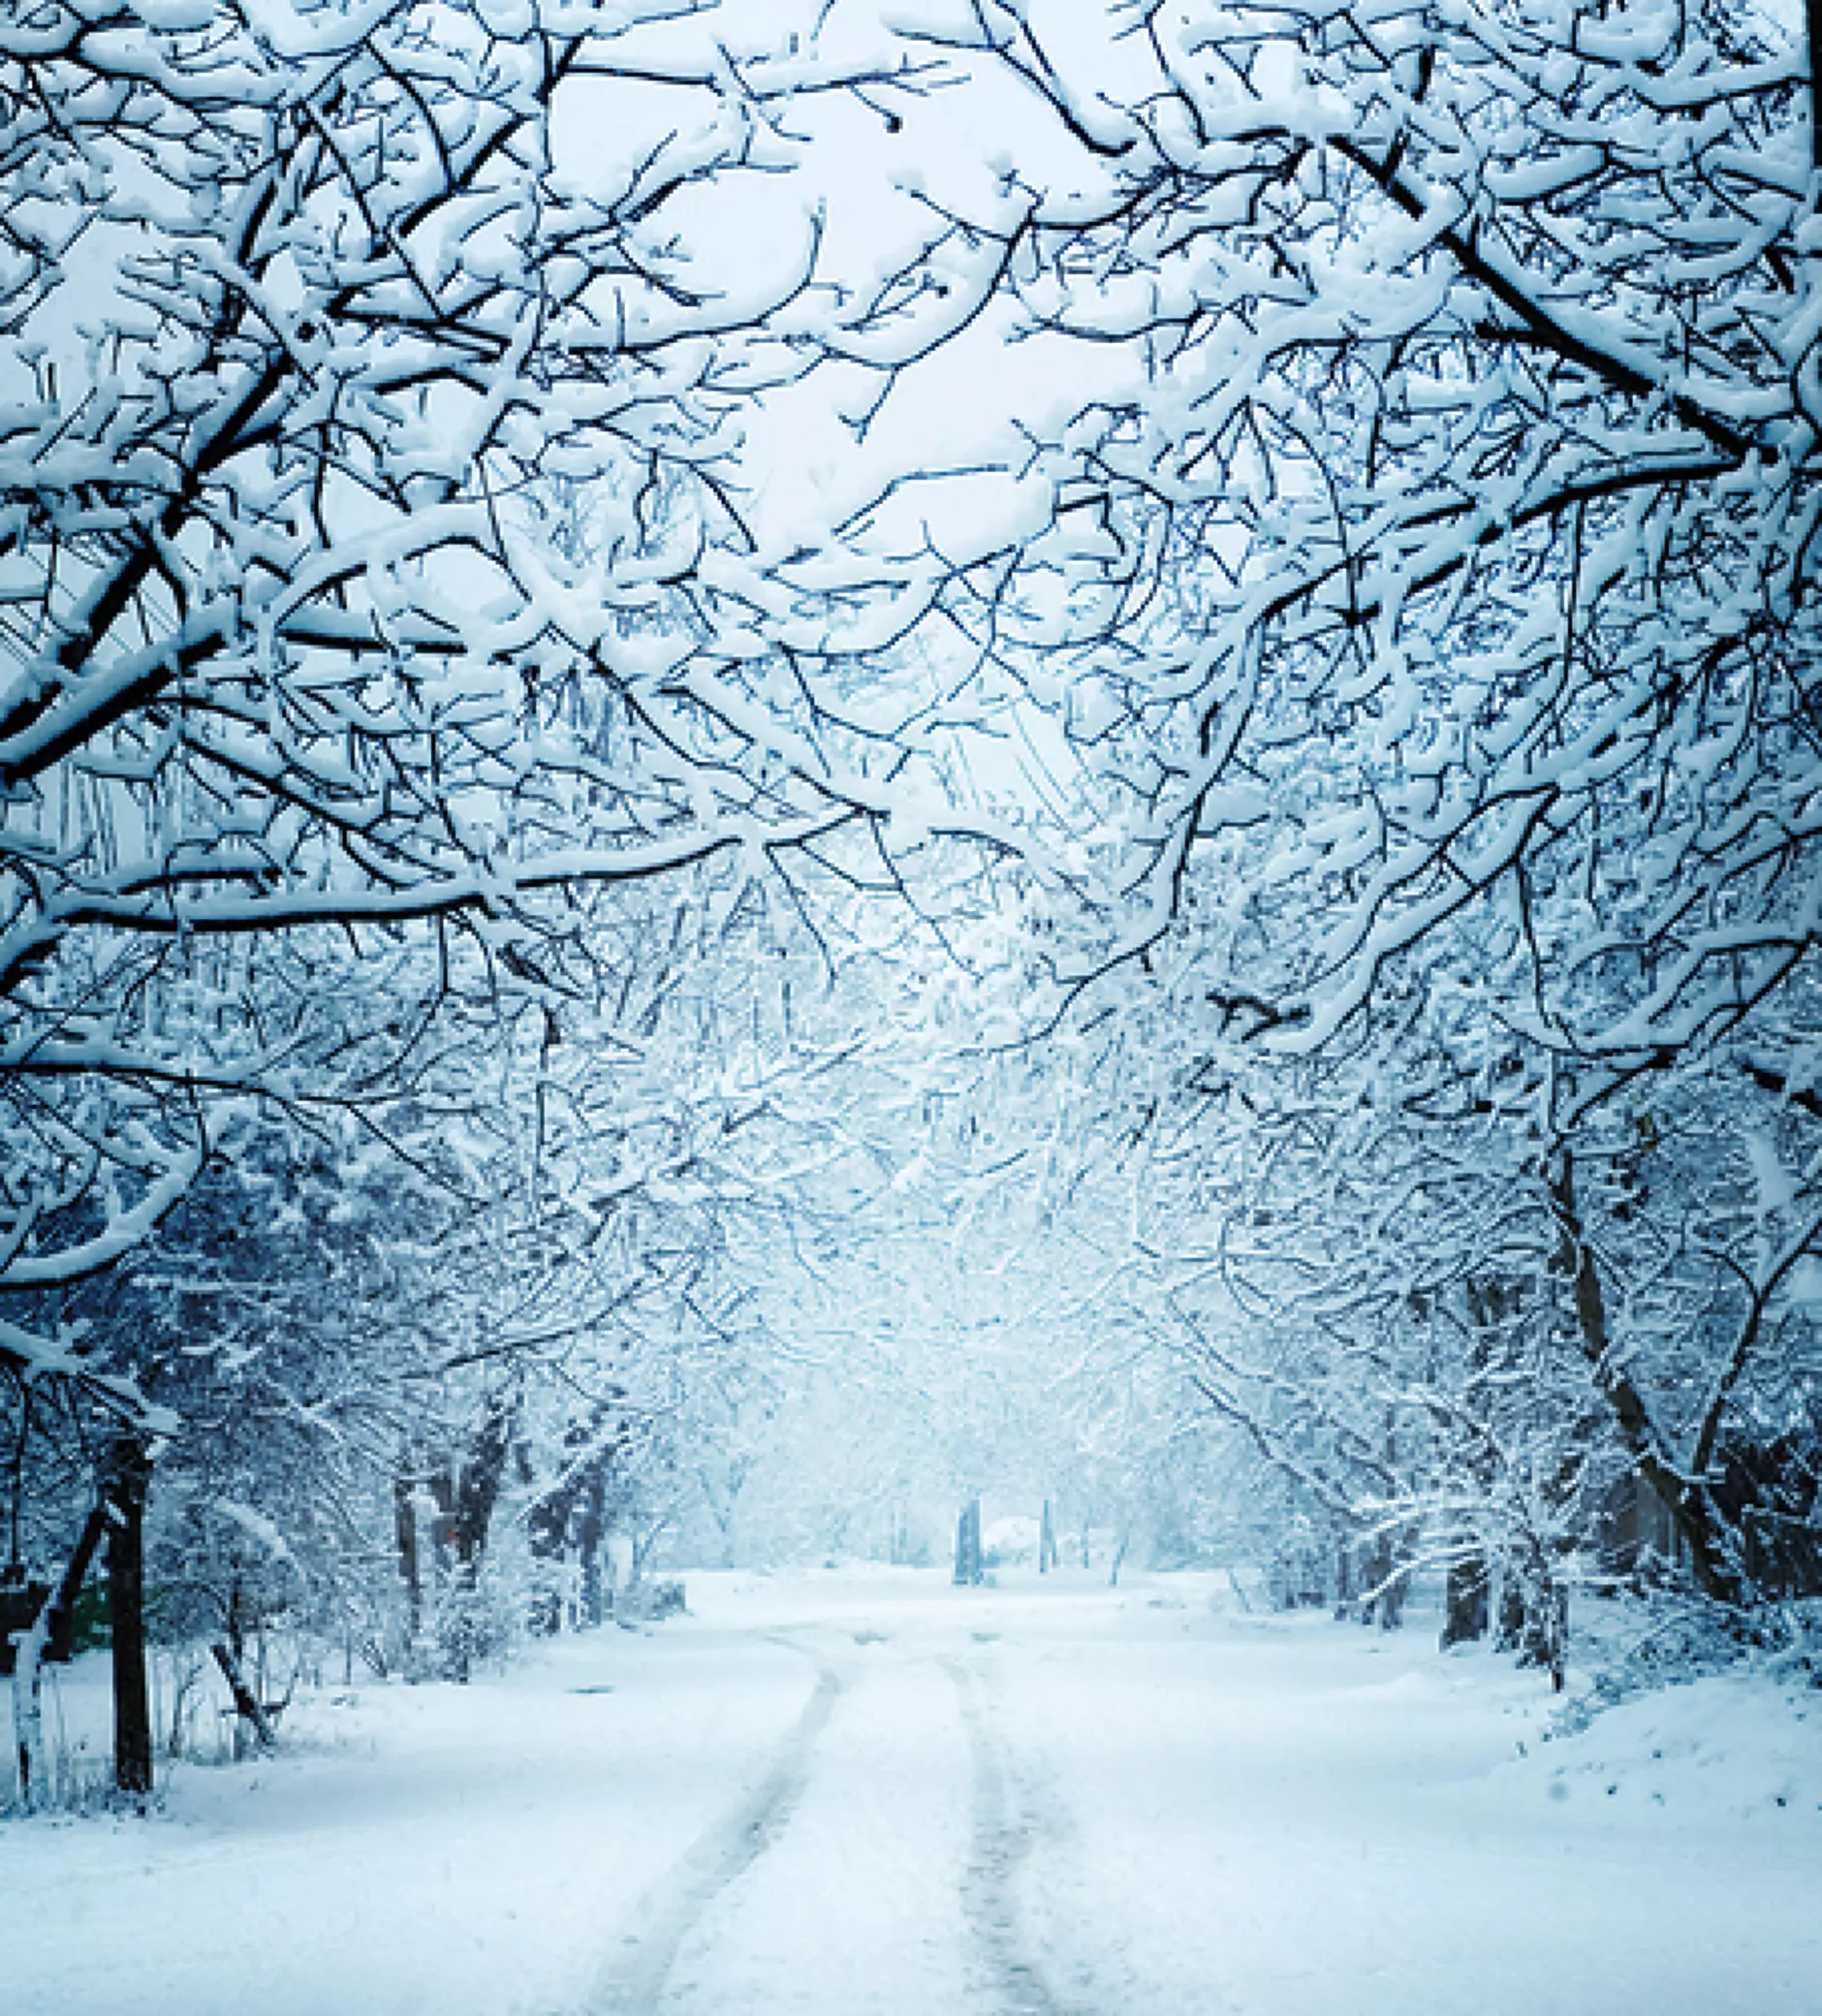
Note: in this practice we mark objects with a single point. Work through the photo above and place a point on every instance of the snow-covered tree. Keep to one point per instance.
(1428, 414)
(1452, 489)
(371, 549)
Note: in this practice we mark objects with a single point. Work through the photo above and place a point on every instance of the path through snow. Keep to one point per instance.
(637, 1980)
(1006, 1830)
(868, 1794)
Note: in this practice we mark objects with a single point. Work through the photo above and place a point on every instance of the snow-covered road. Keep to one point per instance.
(873, 1795)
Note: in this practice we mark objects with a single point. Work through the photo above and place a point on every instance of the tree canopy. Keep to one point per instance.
(643, 646)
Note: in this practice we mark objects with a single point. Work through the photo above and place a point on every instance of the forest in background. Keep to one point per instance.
(1087, 740)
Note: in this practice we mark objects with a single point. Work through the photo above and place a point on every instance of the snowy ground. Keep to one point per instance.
(868, 1794)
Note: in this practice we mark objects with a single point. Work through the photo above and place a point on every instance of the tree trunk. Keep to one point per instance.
(478, 1484)
(410, 1565)
(971, 1570)
(1344, 1589)
(473, 1491)
(590, 1529)
(548, 1523)
(1466, 1602)
(249, 1711)
(1687, 1500)
(28, 1721)
(1384, 1584)
(1547, 1632)
(1392, 1600)
(1533, 1622)
(63, 1605)
(1047, 1541)
(1813, 35)
(128, 1481)
(1509, 1635)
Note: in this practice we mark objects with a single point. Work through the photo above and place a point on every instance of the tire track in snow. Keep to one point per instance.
(634, 1983)
(1003, 1840)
